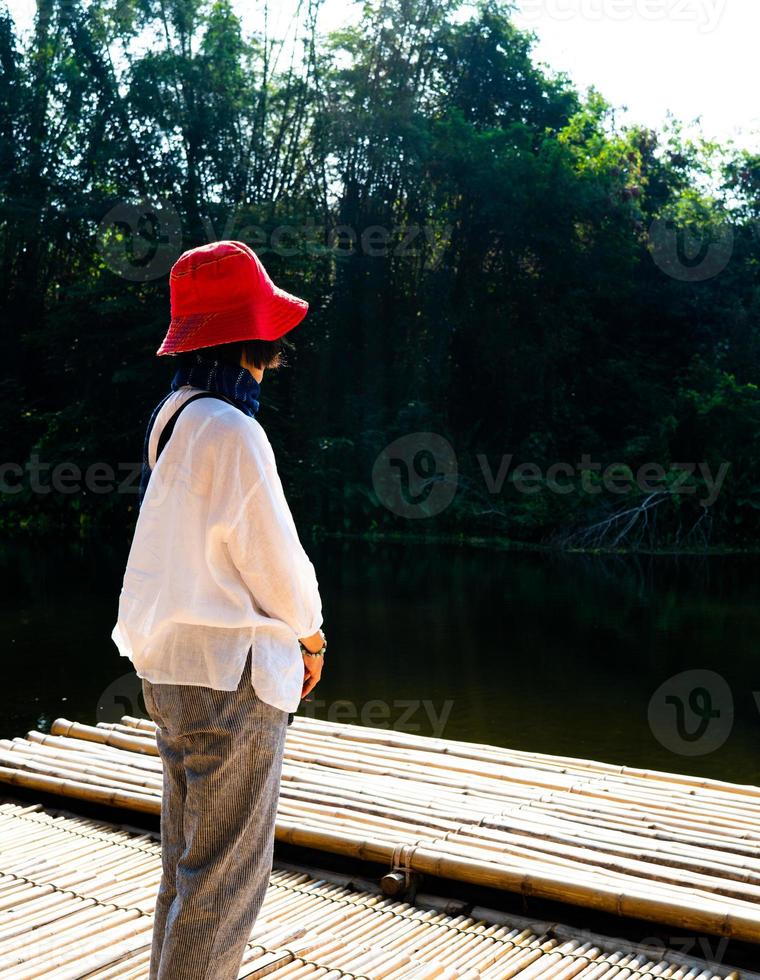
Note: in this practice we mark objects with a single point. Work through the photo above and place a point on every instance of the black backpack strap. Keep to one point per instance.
(169, 427)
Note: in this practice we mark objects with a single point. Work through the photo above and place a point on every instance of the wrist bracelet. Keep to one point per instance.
(315, 653)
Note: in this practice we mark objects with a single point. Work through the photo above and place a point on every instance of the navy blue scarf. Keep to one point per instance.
(237, 383)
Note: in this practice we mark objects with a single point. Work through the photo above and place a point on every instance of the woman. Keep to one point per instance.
(220, 610)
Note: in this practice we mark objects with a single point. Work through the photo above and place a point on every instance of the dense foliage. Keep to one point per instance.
(488, 256)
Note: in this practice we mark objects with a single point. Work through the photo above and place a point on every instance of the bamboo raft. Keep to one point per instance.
(77, 898)
(666, 848)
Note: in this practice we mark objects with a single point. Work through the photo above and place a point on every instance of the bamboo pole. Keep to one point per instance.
(308, 927)
(634, 843)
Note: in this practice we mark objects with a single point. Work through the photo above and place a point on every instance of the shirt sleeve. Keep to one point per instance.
(264, 546)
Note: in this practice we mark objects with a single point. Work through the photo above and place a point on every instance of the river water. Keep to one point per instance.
(647, 662)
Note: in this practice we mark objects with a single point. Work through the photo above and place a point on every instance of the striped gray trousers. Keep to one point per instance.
(222, 757)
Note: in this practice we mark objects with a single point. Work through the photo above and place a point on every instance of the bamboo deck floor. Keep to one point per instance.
(670, 849)
(77, 897)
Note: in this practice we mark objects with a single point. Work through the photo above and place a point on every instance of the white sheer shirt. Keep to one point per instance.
(216, 565)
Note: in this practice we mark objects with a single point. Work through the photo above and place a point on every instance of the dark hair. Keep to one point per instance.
(262, 353)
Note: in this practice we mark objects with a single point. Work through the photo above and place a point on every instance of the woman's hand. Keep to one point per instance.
(312, 671)
(312, 666)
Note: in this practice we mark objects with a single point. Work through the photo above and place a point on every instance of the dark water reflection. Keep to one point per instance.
(555, 654)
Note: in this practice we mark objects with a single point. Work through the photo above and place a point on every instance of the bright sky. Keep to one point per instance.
(696, 58)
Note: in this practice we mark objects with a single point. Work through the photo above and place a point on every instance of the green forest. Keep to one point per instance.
(488, 254)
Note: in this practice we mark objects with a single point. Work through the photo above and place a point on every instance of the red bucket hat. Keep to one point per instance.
(221, 293)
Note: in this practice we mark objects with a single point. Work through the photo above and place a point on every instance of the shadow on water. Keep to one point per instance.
(564, 654)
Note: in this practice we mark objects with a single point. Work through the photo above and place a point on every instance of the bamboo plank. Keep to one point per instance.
(632, 842)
